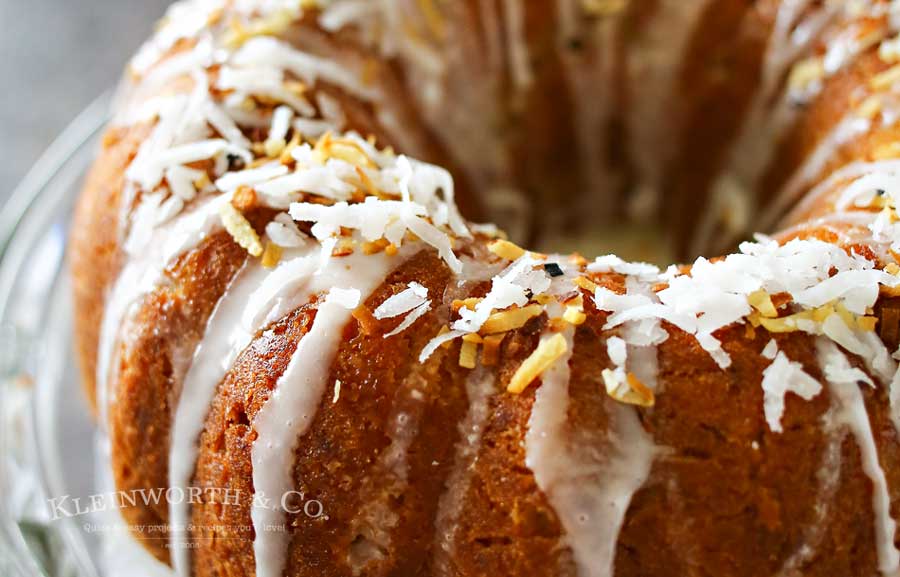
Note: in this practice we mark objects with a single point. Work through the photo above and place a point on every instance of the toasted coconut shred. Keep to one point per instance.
(343, 203)
(543, 357)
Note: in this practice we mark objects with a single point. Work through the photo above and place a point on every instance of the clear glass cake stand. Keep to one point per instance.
(46, 433)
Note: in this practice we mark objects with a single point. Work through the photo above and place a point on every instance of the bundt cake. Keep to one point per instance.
(291, 332)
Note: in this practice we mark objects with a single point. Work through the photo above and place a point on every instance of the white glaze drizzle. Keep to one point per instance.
(120, 553)
(818, 194)
(256, 297)
(764, 123)
(843, 49)
(182, 120)
(377, 518)
(224, 338)
(480, 387)
(837, 223)
(843, 132)
(850, 411)
(142, 272)
(828, 478)
(589, 489)
(291, 407)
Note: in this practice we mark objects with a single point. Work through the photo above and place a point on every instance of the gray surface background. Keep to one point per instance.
(56, 56)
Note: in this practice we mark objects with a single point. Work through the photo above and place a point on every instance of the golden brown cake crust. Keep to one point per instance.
(161, 340)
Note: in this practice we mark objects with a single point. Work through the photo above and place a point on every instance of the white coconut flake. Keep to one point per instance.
(403, 302)
(339, 15)
(281, 123)
(371, 217)
(770, 350)
(617, 351)
(284, 232)
(837, 330)
(433, 236)
(377, 219)
(225, 125)
(611, 263)
(311, 128)
(436, 342)
(149, 173)
(264, 8)
(714, 295)
(181, 181)
(326, 252)
(266, 51)
(182, 20)
(169, 209)
(245, 80)
(410, 319)
(260, 81)
(779, 378)
(513, 286)
(856, 289)
(320, 180)
(331, 110)
(628, 308)
(250, 177)
(420, 182)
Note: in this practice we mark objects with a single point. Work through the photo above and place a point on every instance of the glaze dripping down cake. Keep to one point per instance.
(281, 290)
